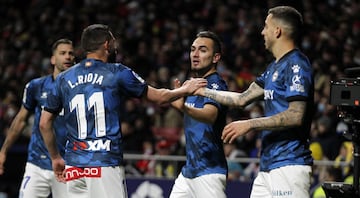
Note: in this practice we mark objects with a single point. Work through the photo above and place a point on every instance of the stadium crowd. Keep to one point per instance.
(154, 40)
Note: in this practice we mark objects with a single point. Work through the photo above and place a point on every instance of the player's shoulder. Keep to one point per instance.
(117, 66)
(297, 55)
(215, 81)
(38, 81)
(296, 60)
(69, 71)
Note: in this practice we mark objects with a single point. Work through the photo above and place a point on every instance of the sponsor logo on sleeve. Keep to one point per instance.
(296, 84)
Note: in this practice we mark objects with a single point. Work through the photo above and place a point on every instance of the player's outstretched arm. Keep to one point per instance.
(179, 103)
(292, 117)
(233, 98)
(161, 96)
(16, 127)
(207, 114)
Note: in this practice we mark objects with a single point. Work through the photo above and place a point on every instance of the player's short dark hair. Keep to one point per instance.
(94, 36)
(291, 17)
(213, 37)
(58, 42)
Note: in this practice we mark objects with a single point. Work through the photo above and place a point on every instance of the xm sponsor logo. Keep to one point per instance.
(96, 145)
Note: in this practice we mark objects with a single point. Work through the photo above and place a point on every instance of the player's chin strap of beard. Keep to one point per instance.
(112, 54)
(112, 50)
(201, 72)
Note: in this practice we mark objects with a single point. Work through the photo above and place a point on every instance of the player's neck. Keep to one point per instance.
(282, 49)
(97, 56)
(55, 73)
(208, 73)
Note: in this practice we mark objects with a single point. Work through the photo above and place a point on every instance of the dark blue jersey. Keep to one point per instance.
(92, 93)
(289, 79)
(34, 99)
(204, 147)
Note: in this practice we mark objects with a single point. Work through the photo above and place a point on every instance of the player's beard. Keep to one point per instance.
(113, 50)
(112, 58)
(202, 71)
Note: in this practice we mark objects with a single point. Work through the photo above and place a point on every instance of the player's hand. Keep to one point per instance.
(193, 84)
(179, 103)
(2, 162)
(234, 130)
(200, 91)
(58, 165)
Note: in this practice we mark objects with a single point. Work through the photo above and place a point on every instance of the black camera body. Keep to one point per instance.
(345, 92)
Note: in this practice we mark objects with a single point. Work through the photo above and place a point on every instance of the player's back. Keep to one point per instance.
(91, 93)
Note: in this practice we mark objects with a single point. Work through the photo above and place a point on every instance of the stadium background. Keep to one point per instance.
(154, 39)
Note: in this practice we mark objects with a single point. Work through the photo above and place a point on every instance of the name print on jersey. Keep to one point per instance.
(92, 78)
(189, 104)
(268, 94)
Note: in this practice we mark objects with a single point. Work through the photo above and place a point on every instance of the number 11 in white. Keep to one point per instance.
(95, 101)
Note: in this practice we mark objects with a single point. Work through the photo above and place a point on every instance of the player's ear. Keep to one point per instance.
(106, 44)
(278, 32)
(52, 60)
(216, 57)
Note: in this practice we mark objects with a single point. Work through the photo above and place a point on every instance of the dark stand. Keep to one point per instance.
(342, 190)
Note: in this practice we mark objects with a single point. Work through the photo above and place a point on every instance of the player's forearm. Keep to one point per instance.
(167, 95)
(162, 96)
(233, 98)
(48, 134)
(292, 117)
(13, 133)
(201, 114)
(50, 142)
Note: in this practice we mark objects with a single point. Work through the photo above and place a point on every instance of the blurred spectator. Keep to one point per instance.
(316, 151)
(159, 168)
(235, 170)
(164, 168)
(329, 140)
(345, 155)
(317, 154)
(330, 175)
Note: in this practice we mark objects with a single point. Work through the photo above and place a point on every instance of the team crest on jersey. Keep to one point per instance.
(214, 86)
(138, 77)
(43, 95)
(265, 75)
(275, 76)
(295, 68)
(62, 112)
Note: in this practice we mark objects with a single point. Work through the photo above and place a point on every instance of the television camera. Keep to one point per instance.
(345, 94)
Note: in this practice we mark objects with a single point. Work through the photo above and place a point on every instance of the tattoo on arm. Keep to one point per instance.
(292, 117)
(233, 98)
(223, 97)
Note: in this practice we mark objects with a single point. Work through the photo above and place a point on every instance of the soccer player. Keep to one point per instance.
(287, 89)
(204, 174)
(91, 94)
(39, 179)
